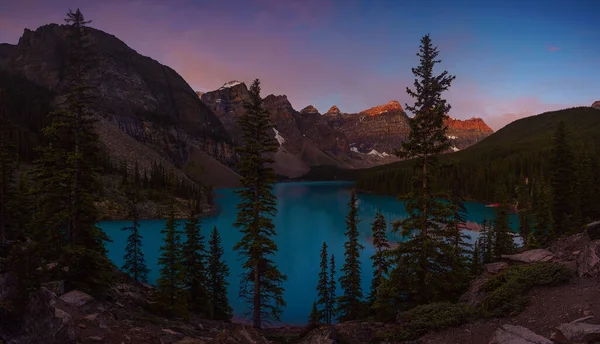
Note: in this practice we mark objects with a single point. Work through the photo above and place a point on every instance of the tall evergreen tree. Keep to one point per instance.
(8, 164)
(418, 266)
(217, 273)
(485, 242)
(542, 228)
(171, 295)
(459, 250)
(561, 180)
(476, 266)
(135, 264)
(349, 303)
(524, 209)
(380, 260)
(65, 176)
(323, 287)
(332, 288)
(315, 316)
(193, 259)
(502, 240)
(261, 283)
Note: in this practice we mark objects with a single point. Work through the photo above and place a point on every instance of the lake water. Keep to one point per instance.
(309, 213)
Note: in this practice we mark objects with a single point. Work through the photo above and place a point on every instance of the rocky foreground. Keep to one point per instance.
(563, 314)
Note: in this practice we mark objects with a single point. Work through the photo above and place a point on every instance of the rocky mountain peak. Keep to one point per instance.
(334, 110)
(310, 110)
(231, 84)
(473, 123)
(393, 105)
(596, 104)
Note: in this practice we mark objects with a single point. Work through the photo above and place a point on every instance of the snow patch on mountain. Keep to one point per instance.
(376, 153)
(278, 137)
(451, 137)
(354, 149)
(229, 84)
(454, 149)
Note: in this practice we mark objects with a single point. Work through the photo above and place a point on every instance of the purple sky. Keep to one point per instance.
(511, 58)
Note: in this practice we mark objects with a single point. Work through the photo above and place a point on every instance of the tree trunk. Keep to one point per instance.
(423, 262)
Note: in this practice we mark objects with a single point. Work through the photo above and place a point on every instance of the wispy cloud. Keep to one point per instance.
(552, 48)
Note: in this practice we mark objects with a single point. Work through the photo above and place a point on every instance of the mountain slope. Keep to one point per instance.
(148, 101)
(520, 149)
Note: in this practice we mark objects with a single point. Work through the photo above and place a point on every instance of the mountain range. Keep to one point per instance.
(148, 112)
(345, 140)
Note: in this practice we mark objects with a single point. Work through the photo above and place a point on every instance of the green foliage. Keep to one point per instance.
(217, 273)
(476, 265)
(380, 261)
(520, 149)
(134, 262)
(485, 242)
(431, 317)
(502, 241)
(424, 262)
(561, 180)
(349, 303)
(314, 316)
(542, 225)
(323, 288)
(261, 284)
(332, 288)
(171, 296)
(8, 164)
(193, 264)
(507, 291)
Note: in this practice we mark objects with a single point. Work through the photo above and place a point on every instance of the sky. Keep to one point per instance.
(511, 58)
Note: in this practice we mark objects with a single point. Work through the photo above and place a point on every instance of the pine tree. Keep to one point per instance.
(171, 295)
(315, 316)
(8, 164)
(217, 273)
(542, 228)
(332, 288)
(476, 266)
(65, 177)
(524, 208)
(459, 250)
(193, 261)
(418, 265)
(261, 284)
(561, 180)
(380, 261)
(323, 287)
(485, 242)
(502, 240)
(135, 264)
(349, 303)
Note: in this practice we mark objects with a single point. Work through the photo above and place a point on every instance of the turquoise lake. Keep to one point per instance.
(309, 213)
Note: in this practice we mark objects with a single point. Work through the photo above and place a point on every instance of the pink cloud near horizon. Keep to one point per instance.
(552, 48)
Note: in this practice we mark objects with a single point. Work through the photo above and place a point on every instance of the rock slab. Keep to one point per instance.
(510, 334)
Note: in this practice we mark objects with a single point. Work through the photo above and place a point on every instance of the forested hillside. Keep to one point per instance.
(520, 150)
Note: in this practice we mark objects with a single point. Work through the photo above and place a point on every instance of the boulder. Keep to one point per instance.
(43, 323)
(510, 334)
(588, 260)
(188, 340)
(57, 287)
(76, 298)
(494, 268)
(320, 335)
(576, 332)
(531, 256)
(238, 333)
(593, 230)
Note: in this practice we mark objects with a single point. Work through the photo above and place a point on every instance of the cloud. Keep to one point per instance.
(552, 47)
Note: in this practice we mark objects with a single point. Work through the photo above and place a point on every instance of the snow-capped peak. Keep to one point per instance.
(455, 149)
(376, 153)
(278, 137)
(230, 84)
